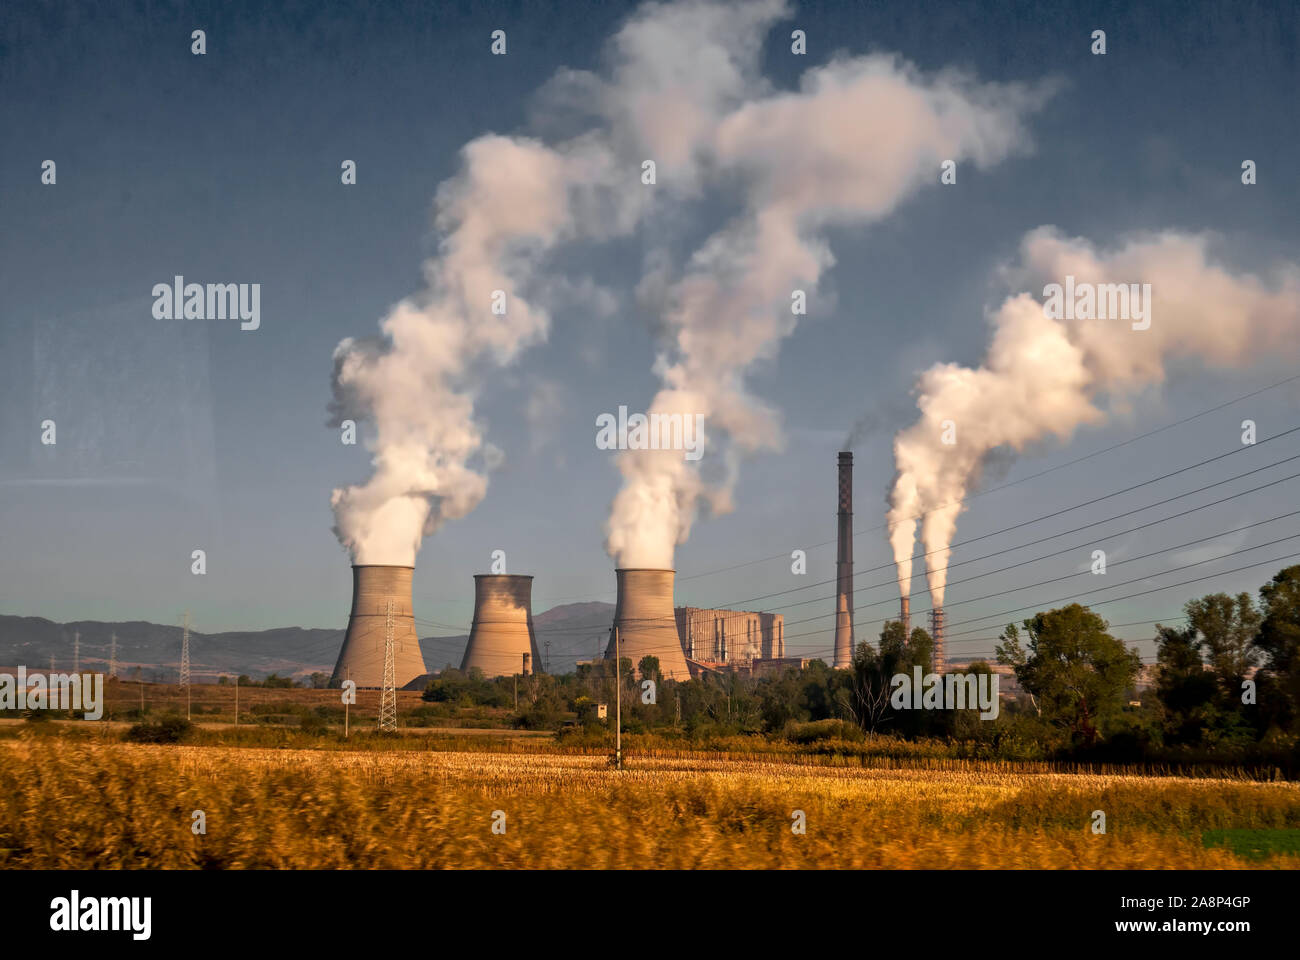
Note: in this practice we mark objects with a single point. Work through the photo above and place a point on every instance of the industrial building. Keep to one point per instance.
(687, 640)
(730, 636)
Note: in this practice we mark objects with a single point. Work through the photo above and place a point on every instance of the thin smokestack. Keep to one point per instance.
(905, 617)
(844, 567)
(936, 632)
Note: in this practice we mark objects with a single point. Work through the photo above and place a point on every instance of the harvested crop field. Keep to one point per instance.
(119, 805)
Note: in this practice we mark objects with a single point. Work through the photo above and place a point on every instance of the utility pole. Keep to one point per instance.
(112, 656)
(76, 652)
(388, 698)
(236, 699)
(516, 679)
(546, 665)
(618, 709)
(142, 699)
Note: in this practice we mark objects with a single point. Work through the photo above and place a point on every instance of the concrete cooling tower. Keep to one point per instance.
(362, 656)
(646, 622)
(502, 641)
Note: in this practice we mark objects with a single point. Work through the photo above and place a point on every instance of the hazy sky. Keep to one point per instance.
(177, 435)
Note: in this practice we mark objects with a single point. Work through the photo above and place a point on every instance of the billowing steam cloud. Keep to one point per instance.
(858, 137)
(515, 200)
(508, 204)
(681, 88)
(1044, 377)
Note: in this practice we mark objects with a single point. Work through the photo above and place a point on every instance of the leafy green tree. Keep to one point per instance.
(1078, 674)
(920, 649)
(1279, 642)
(781, 700)
(893, 643)
(1227, 626)
(1184, 687)
(649, 668)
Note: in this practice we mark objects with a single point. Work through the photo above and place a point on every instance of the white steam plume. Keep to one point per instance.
(1045, 377)
(509, 202)
(672, 69)
(858, 138)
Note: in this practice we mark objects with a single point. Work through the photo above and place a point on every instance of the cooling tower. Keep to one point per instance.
(646, 622)
(936, 631)
(502, 641)
(844, 568)
(362, 656)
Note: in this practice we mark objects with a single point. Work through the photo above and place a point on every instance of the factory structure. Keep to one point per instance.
(719, 638)
(503, 641)
(687, 641)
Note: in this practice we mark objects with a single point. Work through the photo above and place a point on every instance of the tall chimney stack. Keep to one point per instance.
(502, 640)
(936, 632)
(905, 617)
(844, 567)
(362, 657)
(646, 622)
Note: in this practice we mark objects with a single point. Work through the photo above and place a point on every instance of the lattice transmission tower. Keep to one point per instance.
(185, 652)
(388, 699)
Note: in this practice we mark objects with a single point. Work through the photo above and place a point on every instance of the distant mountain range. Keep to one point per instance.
(575, 631)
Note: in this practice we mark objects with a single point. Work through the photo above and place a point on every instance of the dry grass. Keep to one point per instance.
(110, 805)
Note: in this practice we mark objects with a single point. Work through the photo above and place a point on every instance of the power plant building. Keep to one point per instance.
(730, 636)
(687, 640)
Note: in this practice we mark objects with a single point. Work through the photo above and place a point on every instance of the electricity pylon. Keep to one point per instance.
(388, 699)
(185, 652)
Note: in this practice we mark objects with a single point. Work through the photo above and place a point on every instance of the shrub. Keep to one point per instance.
(817, 730)
(172, 728)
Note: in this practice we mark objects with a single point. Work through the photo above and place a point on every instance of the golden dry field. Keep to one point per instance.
(67, 804)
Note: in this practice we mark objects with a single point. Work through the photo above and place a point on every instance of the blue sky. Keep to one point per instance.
(177, 435)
